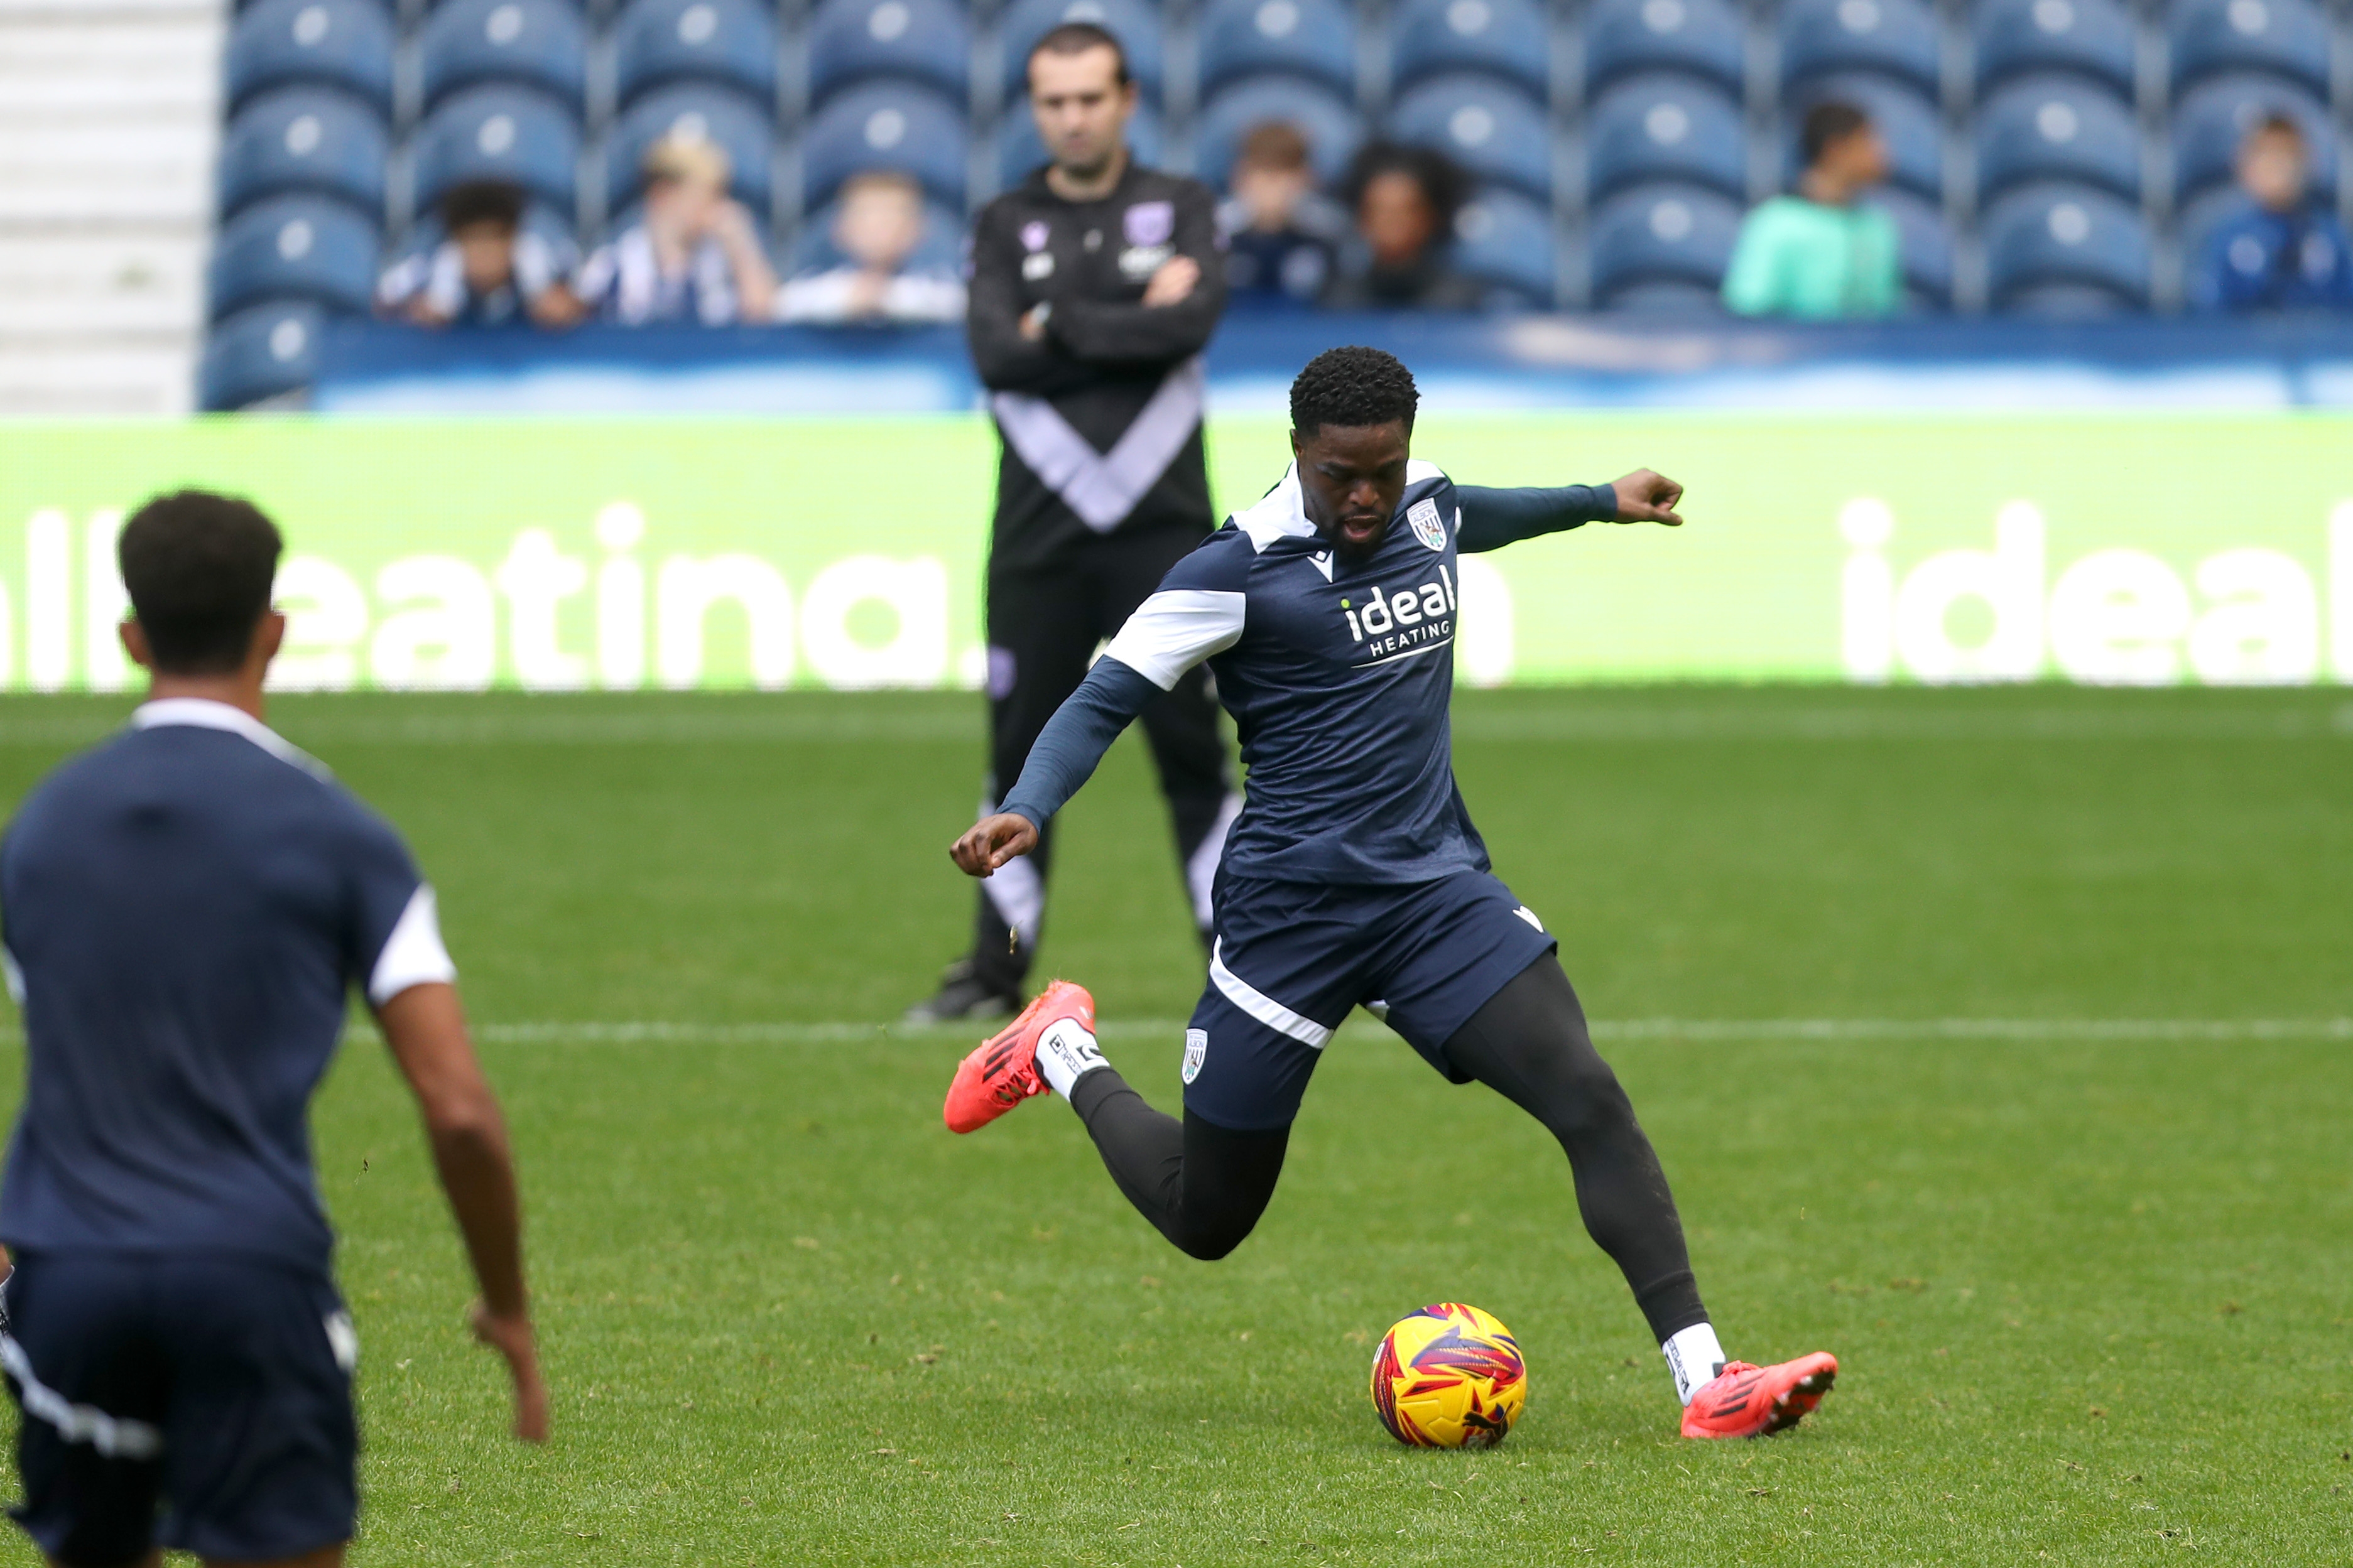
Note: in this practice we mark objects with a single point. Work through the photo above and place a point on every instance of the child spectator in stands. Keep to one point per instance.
(877, 230)
(1280, 234)
(1823, 254)
(2282, 250)
(695, 256)
(1405, 200)
(487, 270)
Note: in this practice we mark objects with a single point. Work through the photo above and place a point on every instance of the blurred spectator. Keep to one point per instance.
(488, 270)
(1823, 253)
(695, 256)
(2283, 250)
(877, 228)
(1405, 199)
(1280, 234)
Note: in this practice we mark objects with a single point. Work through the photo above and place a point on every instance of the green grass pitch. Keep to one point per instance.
(2085, 1265)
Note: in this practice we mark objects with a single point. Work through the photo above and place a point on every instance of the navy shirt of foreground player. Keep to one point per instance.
(186, 907)
(1338, 670)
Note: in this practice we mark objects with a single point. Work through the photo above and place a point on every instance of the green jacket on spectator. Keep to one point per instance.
(1815, 261)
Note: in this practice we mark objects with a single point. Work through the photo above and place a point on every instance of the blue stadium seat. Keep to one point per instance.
(1500, 37)
(339, 43)
(1333, 129)
(659, 41)
(513, 133)
(2214, 117)
(265, 352)
(303, 248)
(2091, 38)
(2056, 128)
(1135, 24)
(2285, 39)
(1667, 128)
(1895, 39)
(885, 125)
(541, 43)
(940, 249)
(1925, 242)
(737, 125)
(927, 41)
(2061, 249)
(1018, 150)
(1501, 238)
(1906, 121)
(1494, 131)
(303, 139)
(1311, 38)
(1692, 37)
(1678, 236)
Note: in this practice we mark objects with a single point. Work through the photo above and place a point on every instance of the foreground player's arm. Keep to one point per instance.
(1007, 358)
(1495, 517)
(1172, 322)
(426, 1031)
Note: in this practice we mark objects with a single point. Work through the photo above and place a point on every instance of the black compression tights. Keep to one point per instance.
(1204, 1187)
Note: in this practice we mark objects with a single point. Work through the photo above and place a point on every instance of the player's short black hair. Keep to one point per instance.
(483, 201)
(1352, 387)
(1077, 39)
(198, 568)
(1826, 123)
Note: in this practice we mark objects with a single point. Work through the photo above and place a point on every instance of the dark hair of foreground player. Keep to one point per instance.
(198, 568)
(1353, 387)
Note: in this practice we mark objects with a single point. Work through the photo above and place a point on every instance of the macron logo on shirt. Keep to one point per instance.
(1408, 621)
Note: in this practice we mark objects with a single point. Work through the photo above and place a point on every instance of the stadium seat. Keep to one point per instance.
(1692, 37)
(338, 43)
(1492, 129)
(2061, 249)
(1311, 38)
(926, 41)
(2056, 128)
(540, 43)
(1135, 24)
(1662, 242)
(265, 352)
(513, 133)
(737, 125)
(2091, 38)
(659, 41)
(941, 249)
(1906, 121)
(302, 247)
(2214, 117)
(2285, 39)
(1895, 39)
(1504, 239)
(1665, 128)
(885, 125)
(303, 139)
(1505, 38)
(1019, 151)
(1333, 129)
(1924, 241)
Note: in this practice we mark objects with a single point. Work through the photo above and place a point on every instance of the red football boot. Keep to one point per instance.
(1747, 1400)
(1002, 1070)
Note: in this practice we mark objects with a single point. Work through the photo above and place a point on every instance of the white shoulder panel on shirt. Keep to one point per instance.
(413, 954)
(1175, 629)
(1278, 515)
(203, 713)
(1417, 471)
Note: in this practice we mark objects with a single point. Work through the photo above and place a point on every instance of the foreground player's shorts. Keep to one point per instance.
(1293, 957)
(196, 1402)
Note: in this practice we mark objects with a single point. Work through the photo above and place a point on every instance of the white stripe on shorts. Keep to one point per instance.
(1261, 1006)
(114, 1437)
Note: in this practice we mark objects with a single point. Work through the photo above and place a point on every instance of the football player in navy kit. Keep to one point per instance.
(1354, 875)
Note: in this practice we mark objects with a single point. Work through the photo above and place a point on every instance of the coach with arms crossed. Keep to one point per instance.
(1095, 287)
(184, 909)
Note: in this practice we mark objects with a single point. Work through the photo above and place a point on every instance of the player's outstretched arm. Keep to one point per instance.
(1495, 517)
(426, 1031)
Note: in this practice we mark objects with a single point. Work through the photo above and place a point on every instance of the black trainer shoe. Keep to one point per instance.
(963, 997)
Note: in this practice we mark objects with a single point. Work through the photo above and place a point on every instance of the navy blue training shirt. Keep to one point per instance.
(185, 909)
(1339, 675)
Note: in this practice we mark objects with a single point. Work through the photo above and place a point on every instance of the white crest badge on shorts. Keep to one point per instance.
(1149, 222)
(1196, 1052)
(1422, 518)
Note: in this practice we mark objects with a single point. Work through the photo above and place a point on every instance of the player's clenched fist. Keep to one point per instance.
(992, 841)
(1646, 496)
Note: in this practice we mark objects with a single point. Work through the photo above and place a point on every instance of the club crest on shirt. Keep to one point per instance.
(1196, 1052)
(1422, 518)
(1149, 222)
(1034, 235)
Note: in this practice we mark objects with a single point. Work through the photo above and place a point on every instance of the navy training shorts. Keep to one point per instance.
(1293, 957)
(194, 1402)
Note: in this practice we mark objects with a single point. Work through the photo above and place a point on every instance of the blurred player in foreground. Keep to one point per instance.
(1327, 612)
(186, 906)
